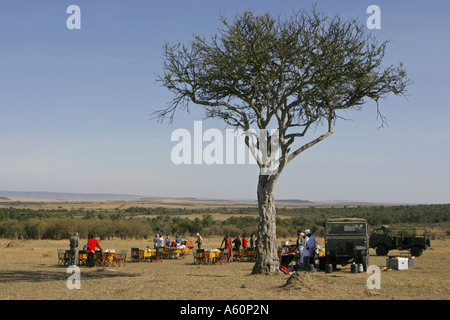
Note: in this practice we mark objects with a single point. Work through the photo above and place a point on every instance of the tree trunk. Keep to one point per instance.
(267, 260)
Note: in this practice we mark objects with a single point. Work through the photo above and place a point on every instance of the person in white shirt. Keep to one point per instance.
(305, 241)
(311, 244)
(302, 252)
(304, 259)
(158, 241)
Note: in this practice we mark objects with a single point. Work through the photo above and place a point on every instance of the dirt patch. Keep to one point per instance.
(308, 282)
(300, 280)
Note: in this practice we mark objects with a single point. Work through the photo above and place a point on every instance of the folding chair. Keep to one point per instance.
(61, 257)
(199, 256)
(149, 255)
(251, 254)
(99, 259)
(159, 254)
(67, 257)
(208, 257)
(214, 257)
(167, 253)
(123, 260)
(222, 257)
(119, 259)
(82, 258)
(108, 259)
(137, 255)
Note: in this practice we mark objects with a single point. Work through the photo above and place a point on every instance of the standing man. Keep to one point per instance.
(92, 243)
(73, 257)
(244, 242)
(158, 241)
(199, 241)
(301, 248)
(304, 258)
(237, 247)
(311, 246)
(299, 238)
(252, 241)
(227, 241)
(237, 243)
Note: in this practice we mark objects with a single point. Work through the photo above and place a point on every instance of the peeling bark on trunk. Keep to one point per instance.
(267, 260)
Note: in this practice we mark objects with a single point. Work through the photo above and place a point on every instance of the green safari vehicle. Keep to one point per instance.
(346, 241)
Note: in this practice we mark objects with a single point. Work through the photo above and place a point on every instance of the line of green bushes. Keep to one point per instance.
(144, 223)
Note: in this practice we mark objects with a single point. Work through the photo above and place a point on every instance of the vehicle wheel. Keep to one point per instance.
(382, 251)
(416, 252)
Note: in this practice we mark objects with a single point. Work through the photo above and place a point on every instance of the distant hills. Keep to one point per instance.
(43, 195)
(66, 196)
(293, 201)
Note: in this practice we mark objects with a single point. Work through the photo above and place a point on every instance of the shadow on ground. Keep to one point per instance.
(61, 274)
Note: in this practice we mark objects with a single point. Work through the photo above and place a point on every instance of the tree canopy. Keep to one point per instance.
(294, 73)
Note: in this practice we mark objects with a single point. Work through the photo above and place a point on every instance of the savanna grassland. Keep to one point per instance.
(29, 267)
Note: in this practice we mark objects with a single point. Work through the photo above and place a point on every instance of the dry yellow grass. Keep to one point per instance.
(29, 271)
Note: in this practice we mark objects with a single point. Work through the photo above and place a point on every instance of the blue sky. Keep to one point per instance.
(75, 105)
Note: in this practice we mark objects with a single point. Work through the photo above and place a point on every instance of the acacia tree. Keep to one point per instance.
(294, 74)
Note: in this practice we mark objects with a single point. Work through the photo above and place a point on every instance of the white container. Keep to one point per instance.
(399, 263)
(360, 267)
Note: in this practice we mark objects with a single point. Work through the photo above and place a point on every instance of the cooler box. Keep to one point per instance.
(399, 263)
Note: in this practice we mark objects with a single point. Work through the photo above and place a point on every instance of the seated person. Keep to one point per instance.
(168, 240)
(178, 240)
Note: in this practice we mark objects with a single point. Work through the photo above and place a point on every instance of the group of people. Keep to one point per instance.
(159, 241)
(89, 247)
(306, 244)
(92, 244)
(237, 243)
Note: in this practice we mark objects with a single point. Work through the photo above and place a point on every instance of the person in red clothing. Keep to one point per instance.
(244, 242)
(227, 241)
(92, 243)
